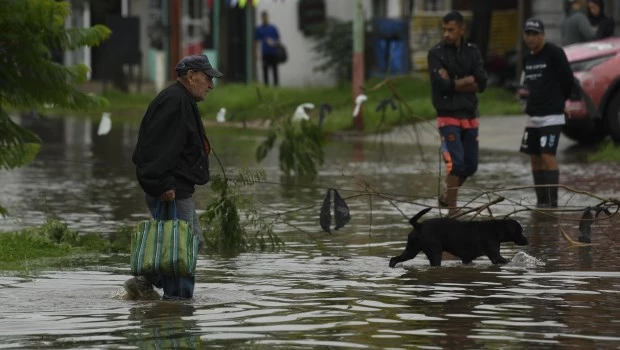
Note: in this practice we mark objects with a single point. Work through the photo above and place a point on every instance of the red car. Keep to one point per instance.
(593, 111)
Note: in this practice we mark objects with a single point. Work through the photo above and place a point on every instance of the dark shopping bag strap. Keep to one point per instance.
(158, 208)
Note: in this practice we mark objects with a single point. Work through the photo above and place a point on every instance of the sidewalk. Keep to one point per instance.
(496, 133)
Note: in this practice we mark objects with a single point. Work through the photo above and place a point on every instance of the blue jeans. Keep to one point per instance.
(460, 150)
(176, 287)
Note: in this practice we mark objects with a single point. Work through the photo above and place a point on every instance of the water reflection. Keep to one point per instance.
(164, 325)
(323, 291)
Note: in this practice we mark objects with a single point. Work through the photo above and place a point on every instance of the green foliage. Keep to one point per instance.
(31, 29)
(57, 232)
(25, 249)
(334, 46)
(18, 146)
(279, 102)
(225, 231)
(31, 244)
(120, 241)
(301, 148)
(608, 152)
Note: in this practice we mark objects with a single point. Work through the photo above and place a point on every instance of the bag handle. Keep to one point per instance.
(158, 208)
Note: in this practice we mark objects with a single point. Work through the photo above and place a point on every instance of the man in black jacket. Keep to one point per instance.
(548, 81)
(457, 74)
(171, 158)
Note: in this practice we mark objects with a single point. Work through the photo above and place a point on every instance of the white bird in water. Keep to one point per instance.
(221, 115)
(359, 100)
(105, 125)
(300, 113)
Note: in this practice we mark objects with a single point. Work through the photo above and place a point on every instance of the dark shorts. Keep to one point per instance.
(537, 141)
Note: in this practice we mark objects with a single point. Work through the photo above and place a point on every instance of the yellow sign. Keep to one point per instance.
(242, 3)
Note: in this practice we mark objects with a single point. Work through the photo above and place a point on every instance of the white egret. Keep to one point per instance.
(359, 100)
(300, 112)
(221, 115)
(105, 125)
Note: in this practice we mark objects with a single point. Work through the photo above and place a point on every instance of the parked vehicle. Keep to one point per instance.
(593, 112)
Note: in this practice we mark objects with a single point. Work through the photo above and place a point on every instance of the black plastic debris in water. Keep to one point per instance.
(585, 225)
(324, 109)
(341, 211)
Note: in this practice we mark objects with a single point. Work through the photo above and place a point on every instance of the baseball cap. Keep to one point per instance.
(197, 63)
(534, 25)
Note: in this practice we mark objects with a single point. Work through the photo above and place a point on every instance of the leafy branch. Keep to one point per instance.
(225, 232)
(301, 148)
(31, 29)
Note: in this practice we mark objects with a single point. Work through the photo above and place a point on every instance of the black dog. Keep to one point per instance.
(464, 239)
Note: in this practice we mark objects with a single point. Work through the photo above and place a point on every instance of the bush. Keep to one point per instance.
(608, 152)
(334, 42)
(225, 232)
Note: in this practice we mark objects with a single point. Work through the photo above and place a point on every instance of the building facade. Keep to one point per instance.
(224, 30)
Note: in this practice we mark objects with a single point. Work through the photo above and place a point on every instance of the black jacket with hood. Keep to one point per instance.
(459, 62)
(171, 152)
(605, 25)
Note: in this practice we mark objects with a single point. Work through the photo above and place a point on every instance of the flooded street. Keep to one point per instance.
(322, 291)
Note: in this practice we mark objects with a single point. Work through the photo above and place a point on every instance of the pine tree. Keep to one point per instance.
(30, 31)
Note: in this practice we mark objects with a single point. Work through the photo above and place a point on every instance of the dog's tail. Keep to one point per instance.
(413, 221)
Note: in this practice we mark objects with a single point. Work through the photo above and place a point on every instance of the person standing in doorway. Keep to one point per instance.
(171, 158)
(576, 27)
(548, 82)
(457, 74)
(269, 37)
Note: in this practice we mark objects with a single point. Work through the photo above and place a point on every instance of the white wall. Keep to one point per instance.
(345, 9)
(298, 70)
(552, 15)
(394, 9)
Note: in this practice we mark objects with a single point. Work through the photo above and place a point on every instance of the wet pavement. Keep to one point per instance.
(501, 133)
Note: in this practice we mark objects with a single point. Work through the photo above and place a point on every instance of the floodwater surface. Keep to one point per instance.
(321, 291)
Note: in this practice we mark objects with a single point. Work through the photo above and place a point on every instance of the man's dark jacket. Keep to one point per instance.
(459, 62)
(170, 153)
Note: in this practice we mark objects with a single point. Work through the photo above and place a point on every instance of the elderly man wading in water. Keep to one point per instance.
(171, 158)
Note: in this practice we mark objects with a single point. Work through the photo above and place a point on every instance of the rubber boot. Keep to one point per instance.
(443, 198)
(139, 288)
(552, 177)
(541, 192)
(449, 196)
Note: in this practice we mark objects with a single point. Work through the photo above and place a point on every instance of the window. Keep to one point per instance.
(379, 8)
(432, 5)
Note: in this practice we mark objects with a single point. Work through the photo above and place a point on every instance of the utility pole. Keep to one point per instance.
(520, 19)
(216, 30)
(358, 61)
(249, 43)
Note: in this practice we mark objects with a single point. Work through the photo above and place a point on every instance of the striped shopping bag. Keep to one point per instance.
(166, 247)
